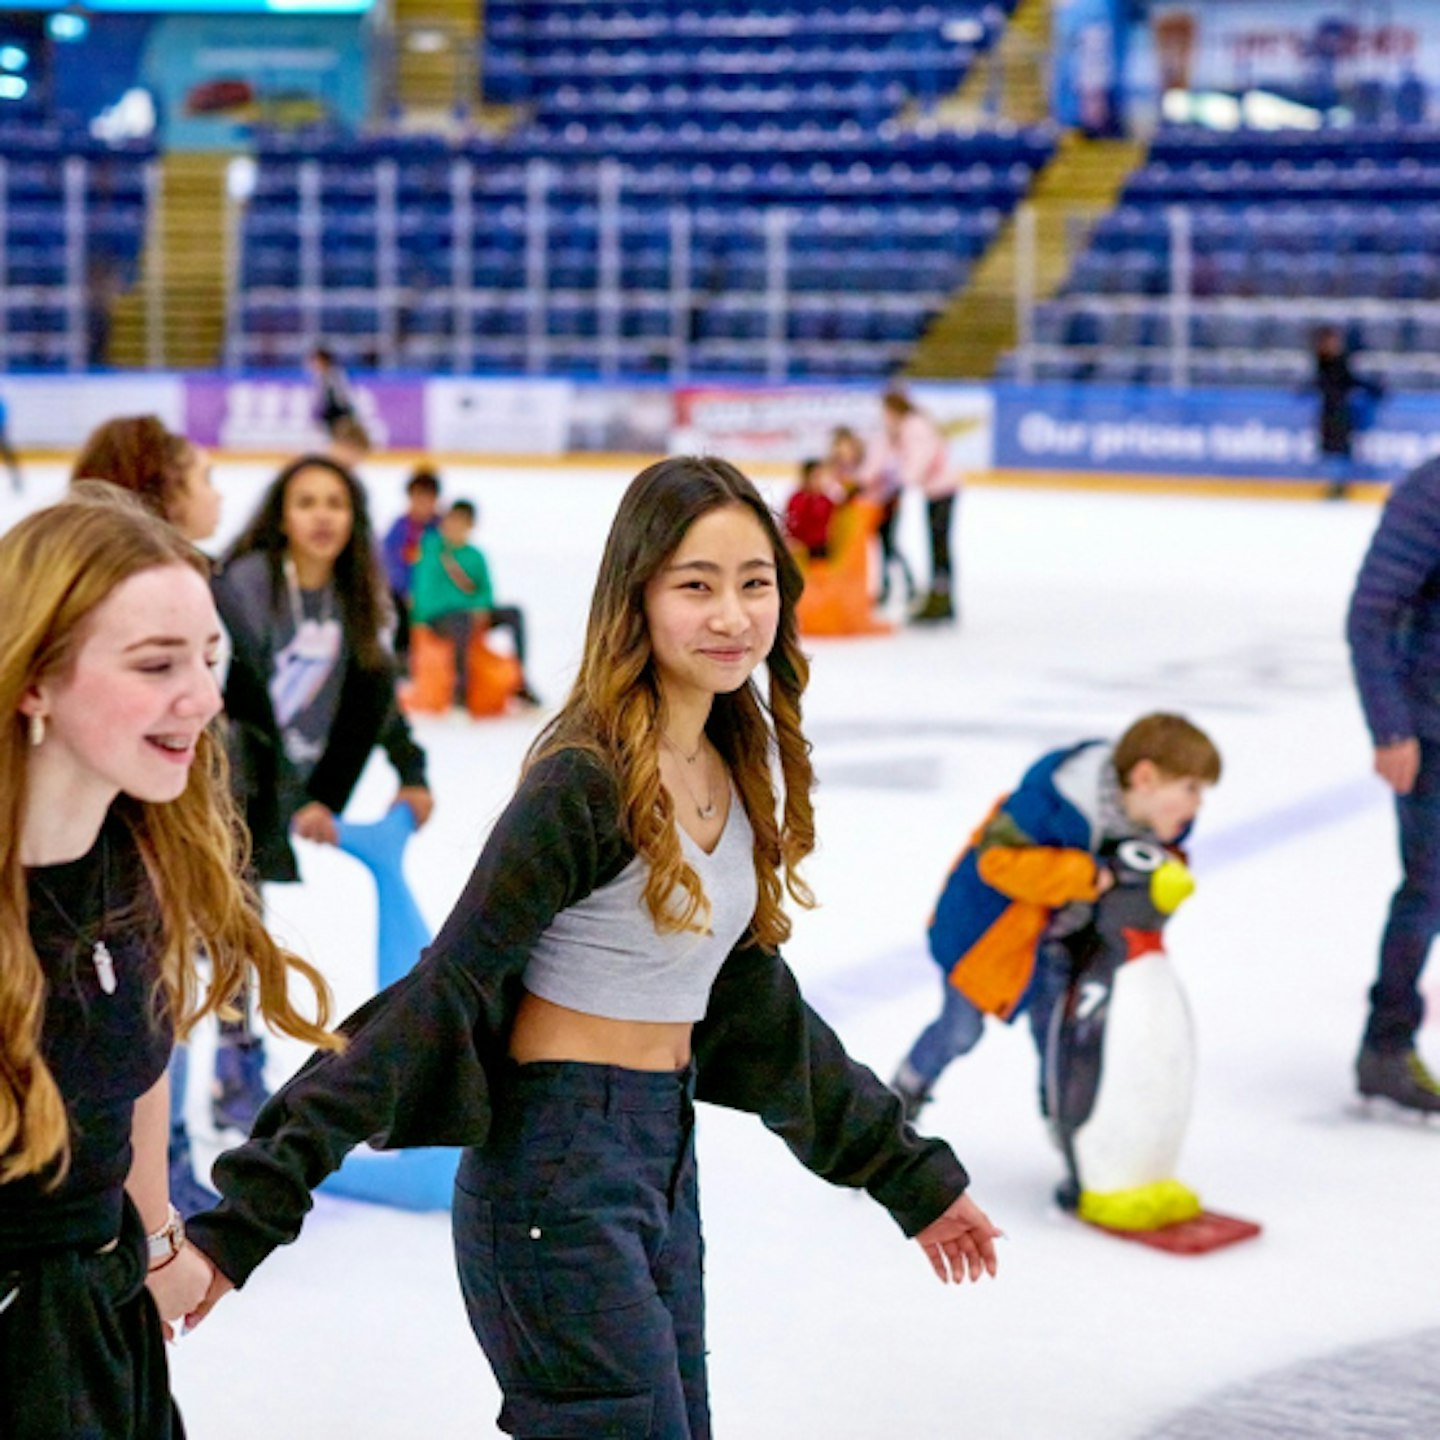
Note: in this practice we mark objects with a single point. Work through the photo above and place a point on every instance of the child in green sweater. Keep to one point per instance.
(451, 593)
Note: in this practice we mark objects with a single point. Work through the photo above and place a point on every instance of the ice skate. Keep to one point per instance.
(1399, 1077)
(239, 1085)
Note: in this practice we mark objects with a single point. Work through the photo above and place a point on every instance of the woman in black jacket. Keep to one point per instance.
(614, 957)
(310, 689)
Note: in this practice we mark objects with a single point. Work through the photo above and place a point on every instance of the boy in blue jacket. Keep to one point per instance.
(1394, 633)
(1030, 873)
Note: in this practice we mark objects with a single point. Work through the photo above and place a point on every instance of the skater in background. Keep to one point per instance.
(1030, 873)
(613, 958)
(453, 595)
(333, 400)
(309, 693)
(1394, 634)
(1338, 388)
(120, 863)
(7, 451)
(401, 548)
(810, 509)
(171, 478)
(165, 471)
(911, 451)
(349, 443)
(847, 463)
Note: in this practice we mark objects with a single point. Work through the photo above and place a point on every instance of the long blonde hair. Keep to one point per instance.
(57, 566)
(614, 708)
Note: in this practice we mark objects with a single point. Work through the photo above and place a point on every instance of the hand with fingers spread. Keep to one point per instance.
(959, 1241)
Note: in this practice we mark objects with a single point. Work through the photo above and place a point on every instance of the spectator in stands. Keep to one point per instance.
(911, 450)
(452, 595)
(333, 400)
(1340, 390)
(402, 547)
(847, 462)
(809, 510)
(310, 691)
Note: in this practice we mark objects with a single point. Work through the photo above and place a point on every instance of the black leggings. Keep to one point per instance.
(939, 513)
(456, 627)
(82, 1355)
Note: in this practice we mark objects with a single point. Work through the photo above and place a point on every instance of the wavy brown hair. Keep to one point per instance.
(57, 567)
(140, 455)
(615, 708)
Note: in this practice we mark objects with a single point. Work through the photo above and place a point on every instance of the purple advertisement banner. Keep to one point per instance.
(278, 415)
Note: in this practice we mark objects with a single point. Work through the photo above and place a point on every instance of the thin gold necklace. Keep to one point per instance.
(707, 810)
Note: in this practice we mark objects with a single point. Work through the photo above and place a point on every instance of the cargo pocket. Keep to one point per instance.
(577, 1415)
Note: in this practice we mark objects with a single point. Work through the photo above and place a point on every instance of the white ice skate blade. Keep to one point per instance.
(1379, 1109)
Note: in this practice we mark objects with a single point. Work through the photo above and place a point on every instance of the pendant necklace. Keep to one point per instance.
(707, 810)
(100, 956)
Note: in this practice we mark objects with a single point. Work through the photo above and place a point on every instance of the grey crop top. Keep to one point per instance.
(603, 955)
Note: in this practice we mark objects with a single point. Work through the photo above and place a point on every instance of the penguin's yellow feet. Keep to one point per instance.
(1146, 1207)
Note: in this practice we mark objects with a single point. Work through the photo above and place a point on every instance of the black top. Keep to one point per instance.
(105, 1051)
(422, 1054)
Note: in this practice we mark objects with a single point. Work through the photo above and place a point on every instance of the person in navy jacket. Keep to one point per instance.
(1394, 634)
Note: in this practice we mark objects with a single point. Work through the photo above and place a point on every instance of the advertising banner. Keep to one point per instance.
(278, 415)
(58, 411)
(498, 417)
(1241, 433)
(1319, 49)
(792, 423)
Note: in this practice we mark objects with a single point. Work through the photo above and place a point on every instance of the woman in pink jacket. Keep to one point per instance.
(911, 448)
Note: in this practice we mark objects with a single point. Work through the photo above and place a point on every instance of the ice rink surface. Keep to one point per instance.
(1081, 611)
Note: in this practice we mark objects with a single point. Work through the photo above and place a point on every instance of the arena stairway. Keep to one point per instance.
(185, 255)
(978, 325)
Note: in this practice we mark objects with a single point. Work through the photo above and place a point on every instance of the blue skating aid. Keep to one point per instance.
(406, 1179)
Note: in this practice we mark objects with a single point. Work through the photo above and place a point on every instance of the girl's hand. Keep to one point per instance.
(959, 1240)
(178, 1286)
(315, 822)
(420, 801)
(219, 1288)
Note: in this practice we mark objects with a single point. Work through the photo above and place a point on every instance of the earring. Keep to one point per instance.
(37, 731)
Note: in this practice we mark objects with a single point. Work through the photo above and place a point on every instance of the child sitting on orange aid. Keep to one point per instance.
(451, 593)
(1030, 872)
(809, 511)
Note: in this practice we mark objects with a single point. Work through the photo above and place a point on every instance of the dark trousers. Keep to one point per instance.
(1396, 1006)
(456, 628)
(82, 1356)
(577, 1236)
(890, 552)
(940, 512)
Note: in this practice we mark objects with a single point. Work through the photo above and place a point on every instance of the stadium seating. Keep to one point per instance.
(72, 224)
(748, 188)
(1288, 231)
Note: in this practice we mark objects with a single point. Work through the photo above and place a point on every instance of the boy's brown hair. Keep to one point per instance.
(1178, 749)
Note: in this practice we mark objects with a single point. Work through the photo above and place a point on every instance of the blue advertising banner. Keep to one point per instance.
(1241, 433)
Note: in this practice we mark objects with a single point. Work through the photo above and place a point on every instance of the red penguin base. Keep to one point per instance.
(1206, 1232)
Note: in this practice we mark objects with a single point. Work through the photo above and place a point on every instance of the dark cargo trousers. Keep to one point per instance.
(577, 1236)
(82, 1356)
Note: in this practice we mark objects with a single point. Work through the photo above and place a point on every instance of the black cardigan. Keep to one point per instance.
(366, 716)
(422, 1054)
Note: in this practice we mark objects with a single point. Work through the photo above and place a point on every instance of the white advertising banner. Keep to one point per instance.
(498, 417)
(58, 412)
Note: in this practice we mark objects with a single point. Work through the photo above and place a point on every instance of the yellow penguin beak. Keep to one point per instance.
(1171, 886)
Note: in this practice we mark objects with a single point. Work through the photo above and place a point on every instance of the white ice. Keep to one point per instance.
(1081, 611)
